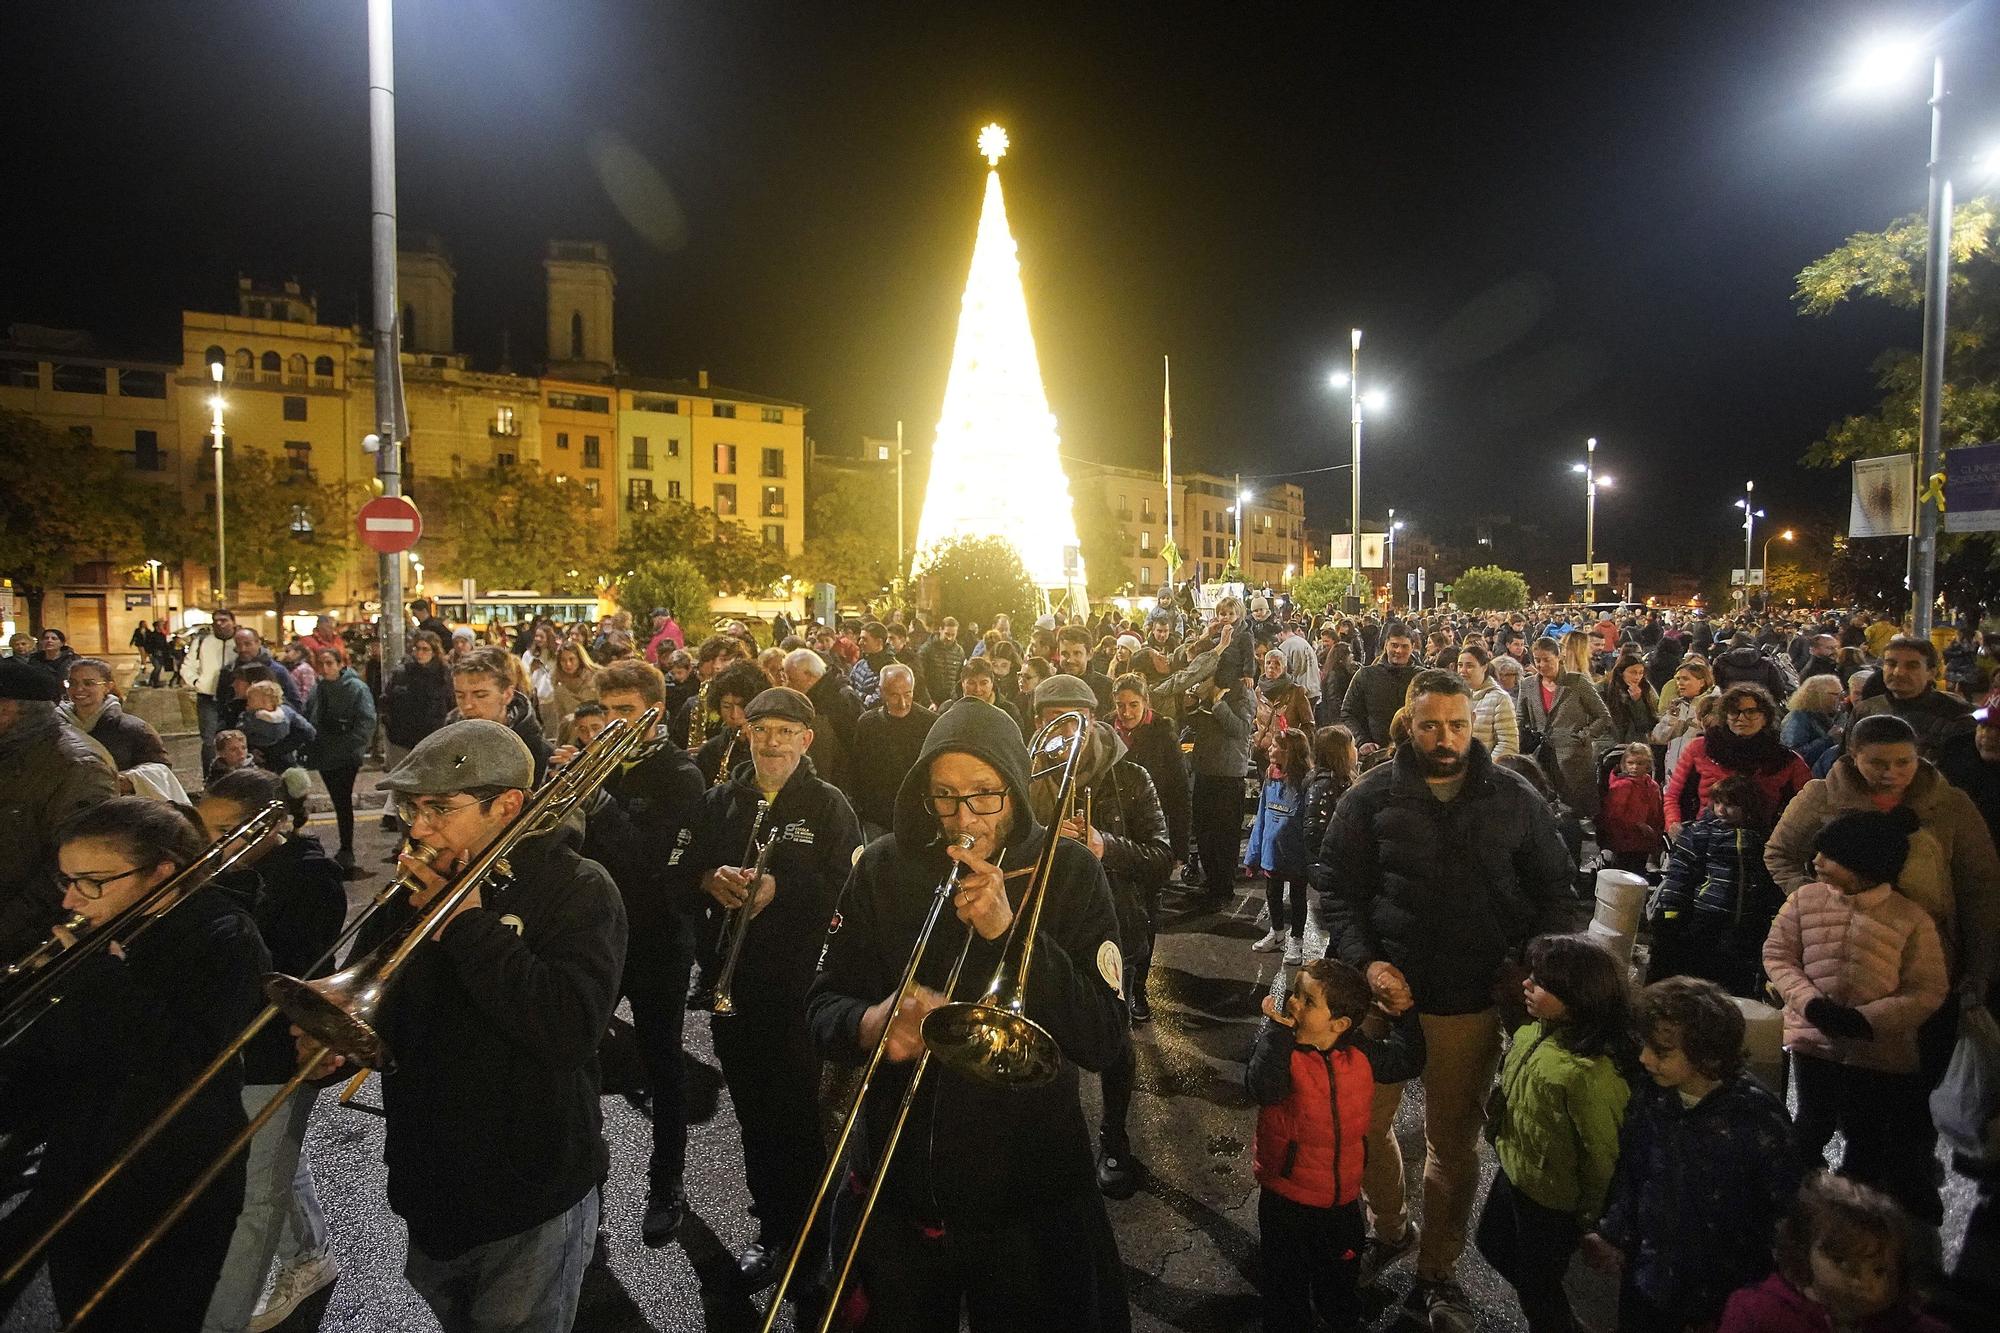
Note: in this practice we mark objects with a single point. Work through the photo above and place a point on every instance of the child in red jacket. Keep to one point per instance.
(1634, 814)
(1314, 1073)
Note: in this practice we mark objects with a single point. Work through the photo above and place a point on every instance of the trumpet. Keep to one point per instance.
(739, 920)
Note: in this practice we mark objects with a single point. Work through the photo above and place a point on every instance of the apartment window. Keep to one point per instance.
(295, 368)
(774, 502)
(1145, 576)
(504, 461)
(16, 373)
(644, 402)
(725, 499)
(323, 372)
(295, 409)
(774, 535)
(562, 439)
(299, 453)
(1146, 509)
(774, 462)
(580, 402)
(725, 410)
(78, 379)
(725, 460)
(593, 452)
(673, 449)
(1208, 546)
(639, 493)
(505, 422)
(593, 492)
(272, 364)
(1207, 520)
(142, 384)
(246, 360)
(146, 450)
(1146, 541)
(1267, 522)
(673, 490)
(774, 416)
(642, 454)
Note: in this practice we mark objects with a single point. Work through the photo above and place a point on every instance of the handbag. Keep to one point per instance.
(1966, 1105)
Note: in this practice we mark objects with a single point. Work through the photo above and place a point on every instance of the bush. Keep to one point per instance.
(1489, 588)
(977, 578)
(1313, 592)
(672, 582)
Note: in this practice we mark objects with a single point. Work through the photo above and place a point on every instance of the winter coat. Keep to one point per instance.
(1277, 843)
(1716, 754)
(130, 741)
(281, 744)
(1572, 731)
(1494, 724)
(1222, 737)
(1937, 716)
(48, 772)
(890, 746)
(1952, 872)
(343, 712)
(1677, 726)
(1716, 903)
(1447, 891)
(1876, 951)
(1557, 1135)
(57, 666)
(1373, 697)
(415, 702)
(1155, 746)
(1631, 719)
(1808, 734)
(1125, 810)
(1633, 817)
(1776, 1306)
(940, 661)
(1323, 793)
(1964, 769)
(1312, 1125)
(1699, 1192)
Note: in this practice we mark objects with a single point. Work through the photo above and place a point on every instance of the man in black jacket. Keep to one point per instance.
(1073, 657)
(836, 708)
(775, 842)
(482, 683)
(1376, 691)
(887, 741)
(989, 1205)
(940, 659)
(495, 1143)
(1436, 870)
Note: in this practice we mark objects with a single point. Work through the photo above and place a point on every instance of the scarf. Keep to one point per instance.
(86, 723)
(1760, 753)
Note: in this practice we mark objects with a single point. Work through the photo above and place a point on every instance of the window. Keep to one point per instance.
(146, 451)
(576, 335)
(593, 492)
(774, 416)
(504, 461)
(648, 402)
(641, 456)
(774, 535)
(213, 356)
(16, 373)
(580, 402)
(409, 330)
(142, 384)
(295, 408)
(1208, 545)
(774, 462)
(639, 493)
(82, 436)
(504, 421)
(673, 490)
(295, 368)
(725, 499)
(593, 452)
(1146, 508)
(725, 460)
(724, 409)
(246, 361)
(1124, 509)
(78, 379)
(255, 309)
(272, 364)
(1267, 522)
(299, 453)
(673, 448)
(1207, 521)
(562, 439)
(1145, 576)
(323, 371)
(1146, 541)
(774, 502)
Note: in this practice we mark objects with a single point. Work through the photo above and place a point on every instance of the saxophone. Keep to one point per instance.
(722, 766)
(698, 724)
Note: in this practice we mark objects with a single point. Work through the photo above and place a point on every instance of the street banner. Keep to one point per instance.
(1972, 489)
(1884, 497)
(1341, 554)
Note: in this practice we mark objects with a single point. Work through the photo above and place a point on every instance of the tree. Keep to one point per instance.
(977, 578)
(672, 582)
(1326, 586)
(286, 531)
(847, 542)
(1106, 546)
(518, 527)
(65, 503)
(729, 556)
(1489, 588)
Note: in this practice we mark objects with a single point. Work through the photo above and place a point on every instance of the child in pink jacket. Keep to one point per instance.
(1860, 968)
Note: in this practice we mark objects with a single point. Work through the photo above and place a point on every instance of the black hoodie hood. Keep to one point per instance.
(979, 729)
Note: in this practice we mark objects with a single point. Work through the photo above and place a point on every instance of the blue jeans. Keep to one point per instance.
(281, 1218)
(208, 716)
(524, 1283)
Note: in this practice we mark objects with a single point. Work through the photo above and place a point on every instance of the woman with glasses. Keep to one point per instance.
(93, 709)
(132, 1030)
(1744, 740)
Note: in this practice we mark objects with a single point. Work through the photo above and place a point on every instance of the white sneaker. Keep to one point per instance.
(289, 1288)
(1273, 941)
(1295, 949)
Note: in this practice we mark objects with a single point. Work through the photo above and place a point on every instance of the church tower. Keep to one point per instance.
(426, 282)
(580, 287)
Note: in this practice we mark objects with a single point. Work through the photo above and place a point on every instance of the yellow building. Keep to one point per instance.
(749, 454)
(655, 446)
(1204, 522)
(580, 445)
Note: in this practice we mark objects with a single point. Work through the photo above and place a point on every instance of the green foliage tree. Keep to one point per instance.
(1489, 588)
(1105, 545)
(850, 540)
(65, 503)
(519, 527)
(287, 532)
(731, 557)
(1326, 586)
(673, 582)
(977, 578)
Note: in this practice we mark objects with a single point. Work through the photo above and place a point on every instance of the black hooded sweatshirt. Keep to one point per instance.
(973, 1153)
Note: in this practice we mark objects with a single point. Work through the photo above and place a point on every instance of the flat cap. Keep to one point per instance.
(1065, 691)
(460, 756)
(22, 679)
(778, 701)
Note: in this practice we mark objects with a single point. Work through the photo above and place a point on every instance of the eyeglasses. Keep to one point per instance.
(1746, 712)
(979, 802)
(91, 887)
(411, 811)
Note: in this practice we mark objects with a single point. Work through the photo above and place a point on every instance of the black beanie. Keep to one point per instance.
(1872, 843)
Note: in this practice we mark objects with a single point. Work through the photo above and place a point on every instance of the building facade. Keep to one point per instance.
(1204, 523)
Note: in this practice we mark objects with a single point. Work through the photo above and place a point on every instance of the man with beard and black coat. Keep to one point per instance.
(991, 1207)
(1436, 870)
(775, 842)
(887, 741)
(1376, 691)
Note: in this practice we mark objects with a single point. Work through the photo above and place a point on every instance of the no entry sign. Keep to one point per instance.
(390, 523)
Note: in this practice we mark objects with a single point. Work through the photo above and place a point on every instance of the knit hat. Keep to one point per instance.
(1874, 844)
(22, 679)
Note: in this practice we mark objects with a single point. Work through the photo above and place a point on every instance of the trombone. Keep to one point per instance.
(991, 1040)
(339, 1012)
(739, 920)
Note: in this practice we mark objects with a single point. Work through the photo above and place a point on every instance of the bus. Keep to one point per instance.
(515, 606)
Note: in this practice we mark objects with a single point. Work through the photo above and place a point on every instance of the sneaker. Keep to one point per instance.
(1379, 1256)
(1295, 950)
(1444, 1306)
(1273, 941)
(1117, 1171)
(1142, 1009)
(290, 1286)
(391, 823)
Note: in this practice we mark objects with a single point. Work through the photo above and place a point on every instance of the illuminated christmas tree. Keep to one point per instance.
(996, 470)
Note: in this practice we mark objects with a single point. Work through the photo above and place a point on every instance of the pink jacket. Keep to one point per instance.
(1876, 951)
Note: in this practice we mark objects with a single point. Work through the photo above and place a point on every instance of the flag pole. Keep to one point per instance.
(1167, 452)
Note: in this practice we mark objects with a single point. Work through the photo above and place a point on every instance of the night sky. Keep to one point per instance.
(1552, 221)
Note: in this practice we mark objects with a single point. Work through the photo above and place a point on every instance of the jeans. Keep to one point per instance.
(340, 786)
(1530, 1246)
(281, 1218)
(524, 1283)
(1463, 1051)
(208, 716)
(1218, 829)
(1312, 1260)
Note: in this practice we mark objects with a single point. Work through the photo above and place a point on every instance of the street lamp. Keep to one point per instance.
(1786, 536)
(1750, 516)
(1393, 525)
(1243, 498)
(1591, 481)
(221, 538)
(1355, 399)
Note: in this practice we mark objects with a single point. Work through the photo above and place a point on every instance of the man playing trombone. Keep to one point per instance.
(494, 1142)
(991, 1206)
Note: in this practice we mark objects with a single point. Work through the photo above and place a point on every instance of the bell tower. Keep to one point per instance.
(427, 284)
(580, 285)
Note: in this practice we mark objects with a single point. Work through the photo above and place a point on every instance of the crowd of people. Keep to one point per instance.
(1813, 800)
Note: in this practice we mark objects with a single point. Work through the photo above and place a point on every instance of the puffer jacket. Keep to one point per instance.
(1557, 1136)
(1716, 875)
(1312, 1128)
(1373, 697)
(1779, 774)
(1935, 715)
(342, 711)
(1494, 722)
(1952, 872)
(1876, 951)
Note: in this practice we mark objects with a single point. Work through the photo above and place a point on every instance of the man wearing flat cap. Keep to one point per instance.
(775, 804)
(48, 772)
(494, 1144)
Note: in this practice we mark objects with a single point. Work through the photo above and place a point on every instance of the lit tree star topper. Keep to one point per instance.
(993, 143)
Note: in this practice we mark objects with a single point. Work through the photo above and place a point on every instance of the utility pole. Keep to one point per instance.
(389, 415)
(1930, 451)
(1352, 601)
(902, 570)
(221, 533)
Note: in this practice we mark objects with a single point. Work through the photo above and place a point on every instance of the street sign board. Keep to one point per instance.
(1411, 580)
(389, 523)
(1422, 574)
(1736, 578)
(1590, 574)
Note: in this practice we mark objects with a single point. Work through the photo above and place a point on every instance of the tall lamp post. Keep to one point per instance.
(1393, 525)
(1750, 516)
(1373, 400)
(1243, 499)
(1765, 563)
(221, 532)
(1591, 481)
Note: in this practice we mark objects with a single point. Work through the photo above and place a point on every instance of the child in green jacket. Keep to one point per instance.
(1556, 1133)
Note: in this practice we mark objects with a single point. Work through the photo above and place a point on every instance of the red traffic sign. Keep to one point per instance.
(390, 523)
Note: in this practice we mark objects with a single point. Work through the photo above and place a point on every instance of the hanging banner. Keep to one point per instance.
(1884, 497)
(1972, 489)
(1340, 556)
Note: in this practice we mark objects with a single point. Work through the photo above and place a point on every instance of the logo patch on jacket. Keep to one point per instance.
(1111, 966)
(514, 923)
(681, 841)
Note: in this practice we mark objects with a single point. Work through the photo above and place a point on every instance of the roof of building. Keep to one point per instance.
(691, 389)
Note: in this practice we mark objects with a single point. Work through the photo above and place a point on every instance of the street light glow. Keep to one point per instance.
(1354, 340)
(1375, 400)
(1578, 467)
(1338, 379)
(1604, 481)
(1881, 64)
(215, 371)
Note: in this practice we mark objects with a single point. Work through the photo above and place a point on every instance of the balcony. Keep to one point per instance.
(642, 460)
(640, 504)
